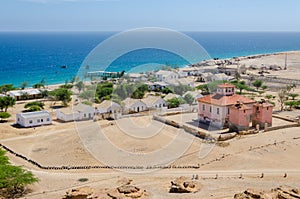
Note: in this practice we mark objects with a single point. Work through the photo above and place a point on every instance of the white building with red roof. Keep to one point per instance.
(214, 109)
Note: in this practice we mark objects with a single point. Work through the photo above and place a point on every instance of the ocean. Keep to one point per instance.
(32, 56)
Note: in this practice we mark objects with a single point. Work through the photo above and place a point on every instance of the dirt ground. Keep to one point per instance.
(272, 153)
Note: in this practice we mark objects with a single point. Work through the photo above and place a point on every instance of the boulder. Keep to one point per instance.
(184, 185)
(277, 193)
(79, 193)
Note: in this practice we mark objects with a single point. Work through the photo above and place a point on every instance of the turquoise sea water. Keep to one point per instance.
(33, 56)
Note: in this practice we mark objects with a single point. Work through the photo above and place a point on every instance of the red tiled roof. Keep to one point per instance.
(226, 85)
(222, 100)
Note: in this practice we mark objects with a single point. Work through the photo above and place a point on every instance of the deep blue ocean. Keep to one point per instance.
(33, 56)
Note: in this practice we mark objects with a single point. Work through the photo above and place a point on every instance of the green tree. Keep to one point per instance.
(204, 89)
(166, 90)
(293, 95)
(189, 99)
(6, 102)
(139, 91)
(4, 115)
(6, 87)
(173, 103)
(257, 84)
(241, 85)
(62, 94)
(264, 87)
(291, 104)
(24, 85)
(13, 179)
(34, 106)
(104, 89)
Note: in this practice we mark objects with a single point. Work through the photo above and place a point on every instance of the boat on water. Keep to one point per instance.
(64, 66)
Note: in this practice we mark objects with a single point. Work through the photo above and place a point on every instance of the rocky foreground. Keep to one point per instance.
(277, 193)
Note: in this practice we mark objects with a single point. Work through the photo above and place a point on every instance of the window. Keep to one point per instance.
(48, 119)
(218, 111)
(38, 120)
(267, 108)
(244, 111)
(19, 119)
(42, 120)
(203, 107)
(84, 115)
(228, 111)
(30, 121)
(210, 109)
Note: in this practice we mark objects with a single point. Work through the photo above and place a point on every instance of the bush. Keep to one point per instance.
(4, 115)
(173, 103)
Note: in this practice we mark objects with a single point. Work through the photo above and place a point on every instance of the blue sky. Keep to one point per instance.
(118, 15)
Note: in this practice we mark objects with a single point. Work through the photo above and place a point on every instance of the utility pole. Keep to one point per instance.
(285, 64)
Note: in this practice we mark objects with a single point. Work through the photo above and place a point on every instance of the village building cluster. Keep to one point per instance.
(222, 109)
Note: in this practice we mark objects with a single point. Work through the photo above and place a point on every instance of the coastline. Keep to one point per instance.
(241, 58)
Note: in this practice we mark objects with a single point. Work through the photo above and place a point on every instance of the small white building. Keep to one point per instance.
(136, 77)
(134, 105)
(165, 76)
(109, 109)
(32, 119)
(78, 113)
(154, 102)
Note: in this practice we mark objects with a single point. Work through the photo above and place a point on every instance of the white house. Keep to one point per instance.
(109, 109)
(79, 112)
(134, 105)
(32, 119)
(165, 76)
(154, 102)
(189, 71)
(19, 94)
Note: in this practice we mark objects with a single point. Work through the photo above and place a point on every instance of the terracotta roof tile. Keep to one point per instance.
(221, 100)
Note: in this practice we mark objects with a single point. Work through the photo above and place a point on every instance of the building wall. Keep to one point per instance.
(159, 104)
(33, 121)
(262, 115)
(239, 119)
(67, 117)
(138, 106)
(216, 115)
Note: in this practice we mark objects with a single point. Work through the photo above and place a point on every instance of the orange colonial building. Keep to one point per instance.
(214, 109)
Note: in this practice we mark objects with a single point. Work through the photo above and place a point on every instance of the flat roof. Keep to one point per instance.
(35, 114)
